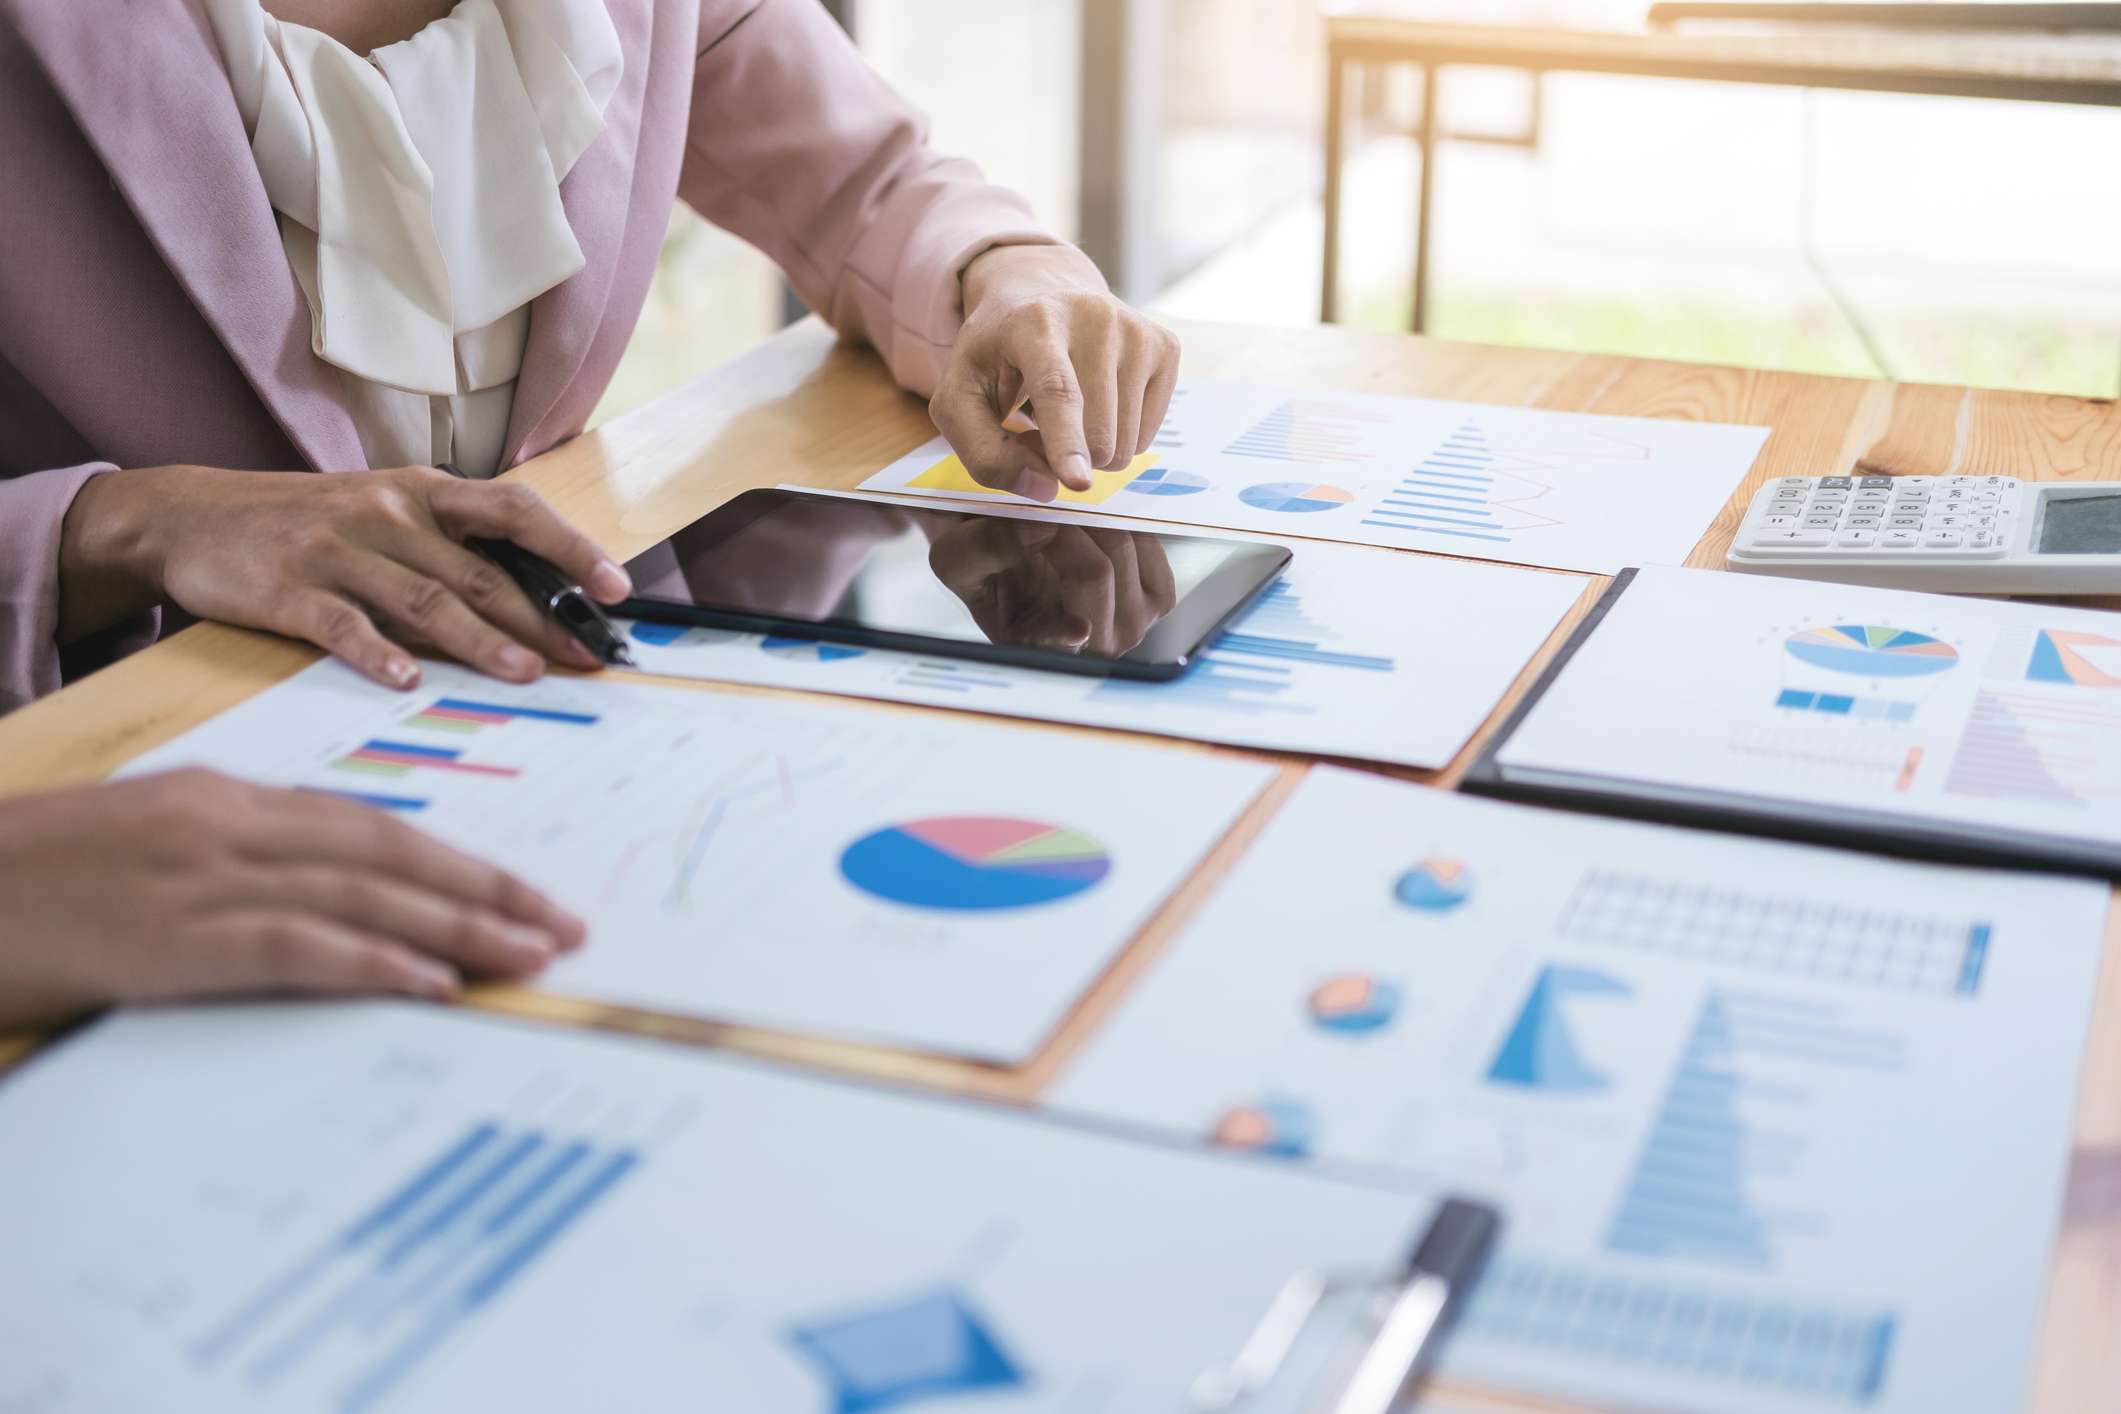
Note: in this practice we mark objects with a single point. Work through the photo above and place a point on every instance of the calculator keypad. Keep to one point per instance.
(1957, 517)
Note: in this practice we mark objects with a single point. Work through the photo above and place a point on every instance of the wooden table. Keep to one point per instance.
(2027, 67)
(801, 408)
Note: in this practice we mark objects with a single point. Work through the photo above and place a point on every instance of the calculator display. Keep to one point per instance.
(2080, 525)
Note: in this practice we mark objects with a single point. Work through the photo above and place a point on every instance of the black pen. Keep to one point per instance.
(582, 617)
(1439, 1273)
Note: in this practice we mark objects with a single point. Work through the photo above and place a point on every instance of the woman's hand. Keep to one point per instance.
(338, 560)
(1040, 325)
(1065, 587)
(192, 884)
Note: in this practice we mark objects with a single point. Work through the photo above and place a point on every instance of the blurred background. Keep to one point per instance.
(1182, 141)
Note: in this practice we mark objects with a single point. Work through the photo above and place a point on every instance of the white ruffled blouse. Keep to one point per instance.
(419, 198)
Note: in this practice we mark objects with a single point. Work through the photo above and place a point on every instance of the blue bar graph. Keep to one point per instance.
(1734, 1112)
(405, 803)
(1448, 494)
(365, 1309)
(1276, 626)
(1595, 1314)
(1252, 667)
(952, 677)
(507, 710)
(1838, 704)
(1214, 681)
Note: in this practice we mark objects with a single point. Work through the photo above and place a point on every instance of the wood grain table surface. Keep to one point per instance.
(802, 408)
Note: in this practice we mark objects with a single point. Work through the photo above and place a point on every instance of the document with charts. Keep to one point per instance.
(1575, 491)
(949, 885)
(1992, 727)
(1353, 652)
(1776, 1127)
(378, 1208)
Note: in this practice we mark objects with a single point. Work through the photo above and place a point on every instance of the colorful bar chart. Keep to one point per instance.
(1792, 1346)
(1311, 430)
(381, 757)
(392, 1286)
(469, 714)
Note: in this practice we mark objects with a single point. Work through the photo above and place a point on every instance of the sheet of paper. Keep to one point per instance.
(1924, 705)
(389, 1208)
(1566, 490)
(1354, 653)
(943, 884)
(1777, 1128)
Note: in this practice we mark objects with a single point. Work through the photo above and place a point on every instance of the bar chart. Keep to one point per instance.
(1736, 1112)
(400, 1279)
(1793, 1346)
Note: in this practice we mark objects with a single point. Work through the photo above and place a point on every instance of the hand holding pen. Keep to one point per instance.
(562, 600)
(353, 562)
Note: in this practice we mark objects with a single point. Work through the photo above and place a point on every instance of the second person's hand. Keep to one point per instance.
(1040, 327)
(344, 561)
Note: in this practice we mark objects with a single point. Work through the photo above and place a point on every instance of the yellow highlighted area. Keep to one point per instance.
(949, 474)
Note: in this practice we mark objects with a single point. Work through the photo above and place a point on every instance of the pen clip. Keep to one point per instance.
(1418, 1304)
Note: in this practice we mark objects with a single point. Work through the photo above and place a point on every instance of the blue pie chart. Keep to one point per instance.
(1163, 481)
(1434, 885)
(1295, 497)
(975, 863)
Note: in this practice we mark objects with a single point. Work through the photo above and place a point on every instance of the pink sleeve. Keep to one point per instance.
(33, 509)
(801, 148)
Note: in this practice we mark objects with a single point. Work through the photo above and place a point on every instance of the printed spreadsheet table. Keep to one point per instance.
(1779, 931)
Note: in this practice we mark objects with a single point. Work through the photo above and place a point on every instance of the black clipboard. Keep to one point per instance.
(1871, 831)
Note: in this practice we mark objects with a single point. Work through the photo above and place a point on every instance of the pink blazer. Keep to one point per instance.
(148, 315)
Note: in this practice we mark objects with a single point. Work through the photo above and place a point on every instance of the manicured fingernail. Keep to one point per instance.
(607, 581)
(520, 661)
(1075, 470)
(527, 947)
(402, 672)
(433, 979)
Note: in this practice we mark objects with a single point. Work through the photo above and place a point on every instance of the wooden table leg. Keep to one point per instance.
(1336, 118)
(1429, 132)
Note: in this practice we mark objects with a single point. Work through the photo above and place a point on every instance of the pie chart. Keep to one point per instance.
(1163, 481)
(974, 863)
(1295, 496)
(1278, 1126)
(809, 649)
(1872, 651)
(679, 635)
(1434, 885)
(1354, 1004)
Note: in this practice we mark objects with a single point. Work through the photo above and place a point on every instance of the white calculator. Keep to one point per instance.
(1957, 534)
